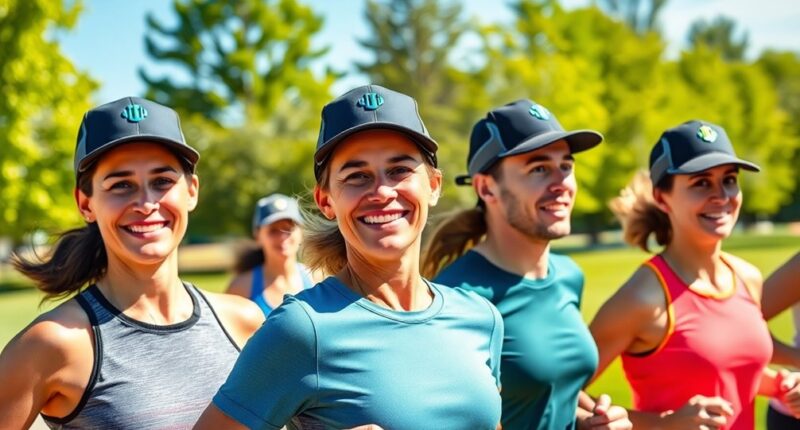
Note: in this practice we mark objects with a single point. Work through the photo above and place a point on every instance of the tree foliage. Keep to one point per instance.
(719, 34)
(241, 58)
(43, 98)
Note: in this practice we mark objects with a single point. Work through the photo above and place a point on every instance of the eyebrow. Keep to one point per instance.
(125, 173)
(361, 163)
(540, 158)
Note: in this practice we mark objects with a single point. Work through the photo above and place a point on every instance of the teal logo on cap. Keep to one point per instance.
(134, 112)
(370, 101)
(539, 112)
(707, 134)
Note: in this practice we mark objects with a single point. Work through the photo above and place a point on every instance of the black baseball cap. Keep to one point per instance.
(692, 147)
(126, 120)
(517, 128)
(275, 207)
(370, 107)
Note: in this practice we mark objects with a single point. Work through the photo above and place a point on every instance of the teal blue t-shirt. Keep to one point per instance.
(328, 358)
(548, 352)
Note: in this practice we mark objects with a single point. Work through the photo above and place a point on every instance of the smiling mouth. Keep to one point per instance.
(143, 229)
(715, 216)
(382, 219)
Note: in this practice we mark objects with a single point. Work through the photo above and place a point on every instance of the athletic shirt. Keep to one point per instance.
(257, 286)
(150, 376)
(329, 358)
(714, 346)
(548, 352)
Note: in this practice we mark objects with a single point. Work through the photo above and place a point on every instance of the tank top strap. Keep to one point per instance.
(257, 282)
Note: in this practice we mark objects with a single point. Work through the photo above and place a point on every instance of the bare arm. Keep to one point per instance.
(46, 367)
(213, 419)
(780, 290)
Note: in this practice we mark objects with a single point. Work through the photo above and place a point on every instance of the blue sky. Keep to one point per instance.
(108, 41)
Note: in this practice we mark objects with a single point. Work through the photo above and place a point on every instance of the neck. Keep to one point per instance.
(151, 293)
(513, 251)
(696, 261)
(395, 284)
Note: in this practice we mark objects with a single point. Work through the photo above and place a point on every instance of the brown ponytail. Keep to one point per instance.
(78, 258)
(636, 210)
(454, 236)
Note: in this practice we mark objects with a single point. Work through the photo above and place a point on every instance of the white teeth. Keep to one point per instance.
(145, 228)
(382, 219)
(555, 206)
(715, 215)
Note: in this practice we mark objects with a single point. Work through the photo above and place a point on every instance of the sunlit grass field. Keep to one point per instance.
(606, 268)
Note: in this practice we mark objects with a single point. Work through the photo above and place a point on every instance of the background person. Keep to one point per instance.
(269, 271)
(780, 293)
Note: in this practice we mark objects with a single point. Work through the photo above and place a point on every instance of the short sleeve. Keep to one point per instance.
(496, 343)
(275, 377)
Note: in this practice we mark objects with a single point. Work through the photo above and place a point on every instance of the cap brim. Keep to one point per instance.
(278, 217)
(579, 140)
(183, 150)
(710, 160)
(424, 142)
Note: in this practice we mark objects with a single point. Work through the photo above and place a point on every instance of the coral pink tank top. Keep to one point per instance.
(714, 346)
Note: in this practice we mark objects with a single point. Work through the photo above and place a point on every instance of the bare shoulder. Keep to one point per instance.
(746, 270)
(642, 291)
(51, 358)
(240, 316)
(58, 330)
(241, 284)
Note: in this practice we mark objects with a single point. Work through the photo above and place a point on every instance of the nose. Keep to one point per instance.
(383, 191)
(561, 182)
(147, 201)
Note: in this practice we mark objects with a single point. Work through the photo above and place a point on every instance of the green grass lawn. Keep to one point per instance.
(606, 269)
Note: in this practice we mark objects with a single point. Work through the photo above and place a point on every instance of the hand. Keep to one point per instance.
(790, 391)
(701, 413)
(607, 416)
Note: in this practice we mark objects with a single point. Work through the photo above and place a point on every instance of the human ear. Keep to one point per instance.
(436, 187)
(323, 200)
(194, 190)
(83, 205)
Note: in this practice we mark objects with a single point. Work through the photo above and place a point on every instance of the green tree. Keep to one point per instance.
(719, 34)
(783, 69)
(242, 55)
(640, 15)
(43, 98)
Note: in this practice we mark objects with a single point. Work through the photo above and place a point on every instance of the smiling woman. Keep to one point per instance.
(126, 351)
(688, 324)
(374, 335)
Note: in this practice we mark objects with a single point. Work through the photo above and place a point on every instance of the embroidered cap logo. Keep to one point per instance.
(134, 112)
(370, 101)
(539, 112)
(280, 205)
(707, 134)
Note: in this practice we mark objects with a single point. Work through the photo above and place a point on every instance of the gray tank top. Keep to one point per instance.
(149, 376)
